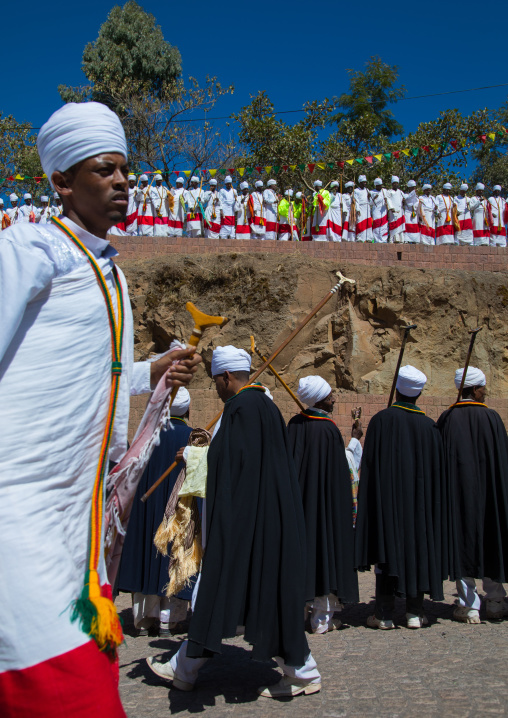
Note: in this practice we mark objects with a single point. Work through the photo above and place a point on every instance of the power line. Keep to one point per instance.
(287, 112)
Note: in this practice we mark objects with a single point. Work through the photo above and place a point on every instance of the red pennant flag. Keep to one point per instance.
(483, 138)
(369, 160)
(311, 167)
(259, 169)
(285, 167)
(426, 148)
(340, 164)
(11, 178)
(395, 154)
(453, 144)
(38, 179)
(231, 170)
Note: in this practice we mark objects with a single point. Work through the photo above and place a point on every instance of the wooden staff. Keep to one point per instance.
(254, 349)
(473, 333)
(201, 322)
(256, 374)
(399, 362)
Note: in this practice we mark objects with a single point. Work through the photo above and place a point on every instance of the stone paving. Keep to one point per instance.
(446, 669)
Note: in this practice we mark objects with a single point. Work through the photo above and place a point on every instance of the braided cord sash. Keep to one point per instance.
(96, 613)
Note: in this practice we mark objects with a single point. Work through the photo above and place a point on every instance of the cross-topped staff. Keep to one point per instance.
(399, 362)
(473, 333)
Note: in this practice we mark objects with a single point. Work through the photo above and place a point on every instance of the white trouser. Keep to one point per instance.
(193, 233)
(468, 594)
(175, 232)
(187, 669)
(168, 610)
(323, 608)
(227, 231)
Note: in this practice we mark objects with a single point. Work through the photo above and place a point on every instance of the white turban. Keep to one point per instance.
(229, 358)
(194, 178)
(410, 381)
(212, 182)
(427, 186)
(394, 178)
(362, 178)
(158, 176)
(143, 178)
(271, 182)
(227, 179)
(76, 132)
(447, 185)
(334, 184)
(131, 177)
(27, 195)
(313, 389)
(244, 185)
(497, 186)
(350, 184)
(259, 183)
(378, 181)
(179, 179)
(411, 183)
(464, 186)
(474, 377)
(1, 201)
(480, 186)
(318, 183)
(181, 402)
(44, 198)
(13, 197)
(289, 193)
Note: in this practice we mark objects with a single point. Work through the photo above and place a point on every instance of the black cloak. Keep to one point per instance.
(142, 568)
(402, 500)
(254, 563)
(325, 482)
(476, 454)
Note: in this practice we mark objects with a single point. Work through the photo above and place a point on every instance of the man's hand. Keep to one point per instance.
(179, 454)
(357, 431)
(179, 375)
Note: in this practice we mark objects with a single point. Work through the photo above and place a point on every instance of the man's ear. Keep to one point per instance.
(62, 183)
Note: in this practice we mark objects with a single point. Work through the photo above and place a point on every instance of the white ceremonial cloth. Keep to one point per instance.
(498, 228)
(271, 203)
(396, 223)
(445, 233)
(146, 202)
(412, 229)
(479, 214)
(427, 208)
(55, 377)
(335, 217)
(379, 215)
(258, 221)
(363, 216)
(25, 211)
(474, 377)
(465, 234)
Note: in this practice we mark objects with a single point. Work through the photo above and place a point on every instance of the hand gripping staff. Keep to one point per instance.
(473, 333)
(399, 362)
(275, 354)
(255, 350)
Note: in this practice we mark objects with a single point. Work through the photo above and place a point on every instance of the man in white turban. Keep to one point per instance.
(363, 207)
(476, 453)
(271, 203)
(242, 212)
(252, 571)
(163, 199)
(194, 199)
(228, 196)
(479, 208)
(325, 484)
(146, 207)
(396, 216)
(177, 213)
(445, 230)
(397, 529)
(499, 213)
(67, 340)
(27, 211)
(13, 210)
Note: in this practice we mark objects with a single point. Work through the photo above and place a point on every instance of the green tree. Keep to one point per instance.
(491, 155)
(129, 53)
(19, 156)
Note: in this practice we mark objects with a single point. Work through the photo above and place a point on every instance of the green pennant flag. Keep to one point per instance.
(249, 170)
(276, 169)
(387, 155)
(223, 172)
(359, 160)
(444, 145)
(301, 167)
(414, 151)
(330, 165)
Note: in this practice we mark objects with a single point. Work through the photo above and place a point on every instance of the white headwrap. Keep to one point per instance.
(227, 179)
(131, 177)
(27, 195)
(394, 178)
(181, 402)
(258, 183)
(411, 183)
(244, 185)
(56, 195)
(474, 377)
(447, 185)
(158, 176)
(313, 389)
(44, 198)
(289, 193)
(334, 184)
(298, 195)
(378, 181)
(427, 186)
(229, 358)
(464, 186)
(76, 132)
(179, 179)
(194, 179)
(318, 183)
(13, 197)
(410, 381)
(212, 182)
(1, 201)
(362, 178)
(350, 184)
(143, 178)
(497, 186)
(480, 186)
(271, 182)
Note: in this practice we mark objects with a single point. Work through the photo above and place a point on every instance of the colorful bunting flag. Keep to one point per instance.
(241, 171)
(321, 165)
(187, 173)
(387, 155)
(396, 154)
(276, 169)
(379, 157)
(212, 173)
(406, 152)
(311, 167)
(350, 162)
(292, 167)
(492, 135)
(369, 160)
(268, 170)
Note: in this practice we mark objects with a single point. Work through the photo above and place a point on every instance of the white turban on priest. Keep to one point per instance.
(410, 381)
(474, 377)
(229, 358)
(181, 403)
(312, 390)
(76, 132)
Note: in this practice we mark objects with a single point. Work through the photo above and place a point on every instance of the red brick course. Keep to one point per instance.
(420, 256)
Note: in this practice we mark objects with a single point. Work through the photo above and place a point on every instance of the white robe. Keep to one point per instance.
(497, 228)
(242, 217)
(445, 232)
(228, 199)
(379, 215)
(396, 219)
(271, 202)
(146, 203)
(465, 234)
(479, 214)
(194, 200)
(161, 217)
(335, 217)
(177, 215)
(213, 214)
(363, 216)
(348, 232)
(427, 208)
(45, 214)
(25, 211)
(55, 368)
(14, 214)
(258, 221)
(412, 229)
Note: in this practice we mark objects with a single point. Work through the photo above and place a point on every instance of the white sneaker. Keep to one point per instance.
(165, 671)
(466, 615)
(373, 622)
(288, 687)
(496, 609)
(414, 621)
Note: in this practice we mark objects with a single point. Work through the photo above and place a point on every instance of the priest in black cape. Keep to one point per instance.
(476, 451)
(325, 482)
(143, 571)
(402, 501)
(253, 568)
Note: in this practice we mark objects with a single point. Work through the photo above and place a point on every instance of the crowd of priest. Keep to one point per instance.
(348, 214)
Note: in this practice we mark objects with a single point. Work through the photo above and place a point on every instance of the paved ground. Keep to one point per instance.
(446, 669)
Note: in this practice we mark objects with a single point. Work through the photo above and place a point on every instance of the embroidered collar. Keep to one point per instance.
(407, 407)
(317, 414)
(469, 403)
(255, 387)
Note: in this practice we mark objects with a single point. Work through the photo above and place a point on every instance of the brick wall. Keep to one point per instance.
(489, 259)
(206, 405)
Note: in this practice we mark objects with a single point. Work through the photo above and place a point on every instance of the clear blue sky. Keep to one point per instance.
(295, 51)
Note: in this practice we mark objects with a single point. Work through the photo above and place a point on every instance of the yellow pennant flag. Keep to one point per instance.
(187, 173)
(19, 177)
(241, 171)
(435, 147)
(268, 170)
(492, 135)
(350, 162)
(212, 173)
(406, 152)
(45, 176)
(379, 157)
(292, 167)
(321, 165)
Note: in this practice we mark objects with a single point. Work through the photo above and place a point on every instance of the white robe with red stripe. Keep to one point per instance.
(499, 216)
(213, 214)
(258, 221)
(480, 215)
(465, 234)
(161, 217)
(396, 218)
(379, 215)
(271, 202)
(194, 200)
(52, 419)
(177, 214)
(348, 232)
(445, 231)
(363, 215)
(412, 228)
(146, 203)
(427, 208)
(242, 217)
(228, 199)
(335, 217)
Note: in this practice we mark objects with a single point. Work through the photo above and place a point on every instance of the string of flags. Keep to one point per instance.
(310, 166)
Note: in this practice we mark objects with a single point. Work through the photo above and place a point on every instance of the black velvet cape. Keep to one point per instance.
(325, 482)
(254, 563)
(402, 499)
(142, 568)
(476, 451)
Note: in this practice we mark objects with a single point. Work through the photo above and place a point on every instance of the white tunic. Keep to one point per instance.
(412, 229)
(465, 234)
(427, 208)
(497, 227)
(258, 221)
(271, 202)
(480, 216)
(213, 214)
(228, 199)
(177, 215)
(14, 215)
(396, 220)
(28, 213)
(45, 214)
(242, 217)
(161, 216)
(363, 215)
(348, 231)
(55, 378)
(445, 232)
(194, 200)
(379, 215)
(335, 217)
(146, 202)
